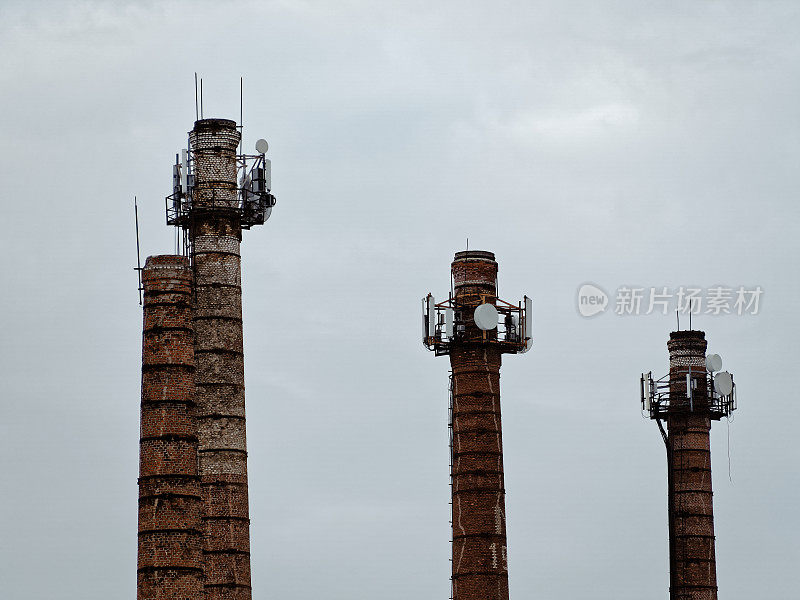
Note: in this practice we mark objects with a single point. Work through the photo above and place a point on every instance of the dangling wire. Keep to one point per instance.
(730, 478)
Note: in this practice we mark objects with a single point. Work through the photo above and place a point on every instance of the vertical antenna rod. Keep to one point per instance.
(196, 112)
(138, 253)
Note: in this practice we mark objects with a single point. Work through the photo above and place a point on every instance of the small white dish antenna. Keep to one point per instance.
(723, 383)
(486, 317)
(262, 146)
(713, 363)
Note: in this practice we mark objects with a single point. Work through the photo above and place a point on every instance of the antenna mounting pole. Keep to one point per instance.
(138, 255)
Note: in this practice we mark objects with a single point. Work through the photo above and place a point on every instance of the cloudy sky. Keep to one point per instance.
(626, 144)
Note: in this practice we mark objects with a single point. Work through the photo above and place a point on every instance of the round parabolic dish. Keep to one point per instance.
(486, 316)
(723, 383)
(713, 362)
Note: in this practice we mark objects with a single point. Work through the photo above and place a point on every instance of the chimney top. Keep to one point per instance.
(474, 255)
(687, 334)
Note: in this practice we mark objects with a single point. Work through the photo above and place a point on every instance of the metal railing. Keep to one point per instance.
(671, 395)
(452, 324)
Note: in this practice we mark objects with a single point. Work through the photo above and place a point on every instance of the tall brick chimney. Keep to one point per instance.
(480, 567)
(170, 563)
(215, 232)
(479, 562)
(693, 570)
(194, 523)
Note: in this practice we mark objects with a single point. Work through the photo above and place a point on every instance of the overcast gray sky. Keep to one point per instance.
(649, 144)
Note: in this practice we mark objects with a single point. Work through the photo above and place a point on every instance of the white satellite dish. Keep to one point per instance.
(713, 363)
(486, 317)
(723, 383)
(262, 146)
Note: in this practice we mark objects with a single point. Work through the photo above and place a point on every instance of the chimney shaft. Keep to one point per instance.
(170, 564)
(693, 572)
(219, 376)
(480, 569)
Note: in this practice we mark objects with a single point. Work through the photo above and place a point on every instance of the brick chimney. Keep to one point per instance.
(215, 233)
(480, 567)
(693, 570)
(170, 563)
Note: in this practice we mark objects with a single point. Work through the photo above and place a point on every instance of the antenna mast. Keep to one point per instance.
(241, 113)
(138, 253)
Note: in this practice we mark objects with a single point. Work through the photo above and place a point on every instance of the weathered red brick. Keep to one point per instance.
(692, 529)
(219, 375)
(480, 568)
(170, 553)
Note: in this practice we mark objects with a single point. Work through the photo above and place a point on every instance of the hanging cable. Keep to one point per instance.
(730, 478)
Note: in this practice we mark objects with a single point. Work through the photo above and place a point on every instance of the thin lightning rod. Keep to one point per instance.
(196, 112)
(201, 97)
(138, 254)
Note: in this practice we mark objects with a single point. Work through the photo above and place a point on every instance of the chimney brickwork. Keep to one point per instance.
(480, 567)
(693, 563)
(215, 233)
(170, 559)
